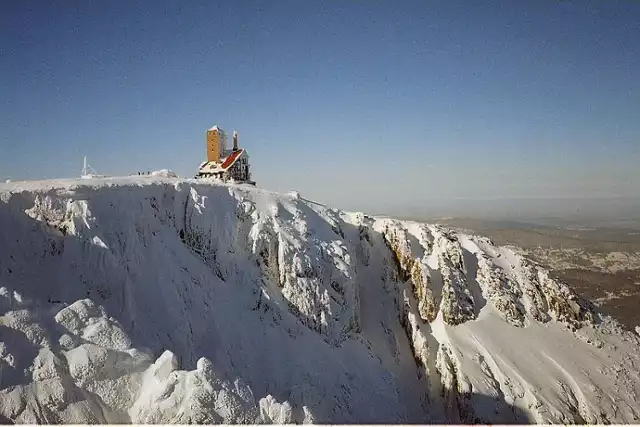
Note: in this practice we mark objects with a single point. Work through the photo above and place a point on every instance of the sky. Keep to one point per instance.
(381, 106)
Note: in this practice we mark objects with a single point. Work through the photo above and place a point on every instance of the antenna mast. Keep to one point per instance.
(87, 169)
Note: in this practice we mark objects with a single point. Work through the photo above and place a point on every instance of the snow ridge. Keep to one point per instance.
(160, 300)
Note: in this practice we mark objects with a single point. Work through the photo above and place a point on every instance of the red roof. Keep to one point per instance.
(231, 159)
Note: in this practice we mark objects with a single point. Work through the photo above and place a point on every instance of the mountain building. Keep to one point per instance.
(227, 165)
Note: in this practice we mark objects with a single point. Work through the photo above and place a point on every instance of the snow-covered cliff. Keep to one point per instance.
(159, 300)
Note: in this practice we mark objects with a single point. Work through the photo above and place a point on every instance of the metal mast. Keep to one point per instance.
(87, 169)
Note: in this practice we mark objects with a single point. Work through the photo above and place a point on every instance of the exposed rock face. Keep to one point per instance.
(183, 302)
(503, 293)
(457, 304)
(564, 305)
(527, 291)
(534, 297)
(422, 287)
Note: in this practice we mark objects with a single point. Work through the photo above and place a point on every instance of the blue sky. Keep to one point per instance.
(373, 105)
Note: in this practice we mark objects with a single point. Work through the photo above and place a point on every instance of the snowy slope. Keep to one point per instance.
(159, 300)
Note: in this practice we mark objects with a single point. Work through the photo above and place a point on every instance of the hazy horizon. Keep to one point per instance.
(612, 211)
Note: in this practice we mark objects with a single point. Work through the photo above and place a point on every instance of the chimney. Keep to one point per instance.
(235, 141)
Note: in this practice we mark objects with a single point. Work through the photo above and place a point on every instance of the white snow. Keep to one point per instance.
(165, 173)
(294, 194)
(162, 300)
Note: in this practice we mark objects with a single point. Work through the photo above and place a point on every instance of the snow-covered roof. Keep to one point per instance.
(224, 164)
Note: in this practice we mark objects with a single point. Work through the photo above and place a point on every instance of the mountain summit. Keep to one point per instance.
(161, 300)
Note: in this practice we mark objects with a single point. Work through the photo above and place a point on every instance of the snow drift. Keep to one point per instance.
(164, 173)
(164, 300)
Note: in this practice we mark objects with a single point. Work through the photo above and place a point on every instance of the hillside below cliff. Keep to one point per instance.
(161, 300)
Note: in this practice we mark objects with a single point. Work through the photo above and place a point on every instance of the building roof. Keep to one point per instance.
(231, 159)
(226, 163)
(215, 127)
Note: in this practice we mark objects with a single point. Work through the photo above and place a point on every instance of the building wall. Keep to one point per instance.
(216, 142)
(240, 170)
